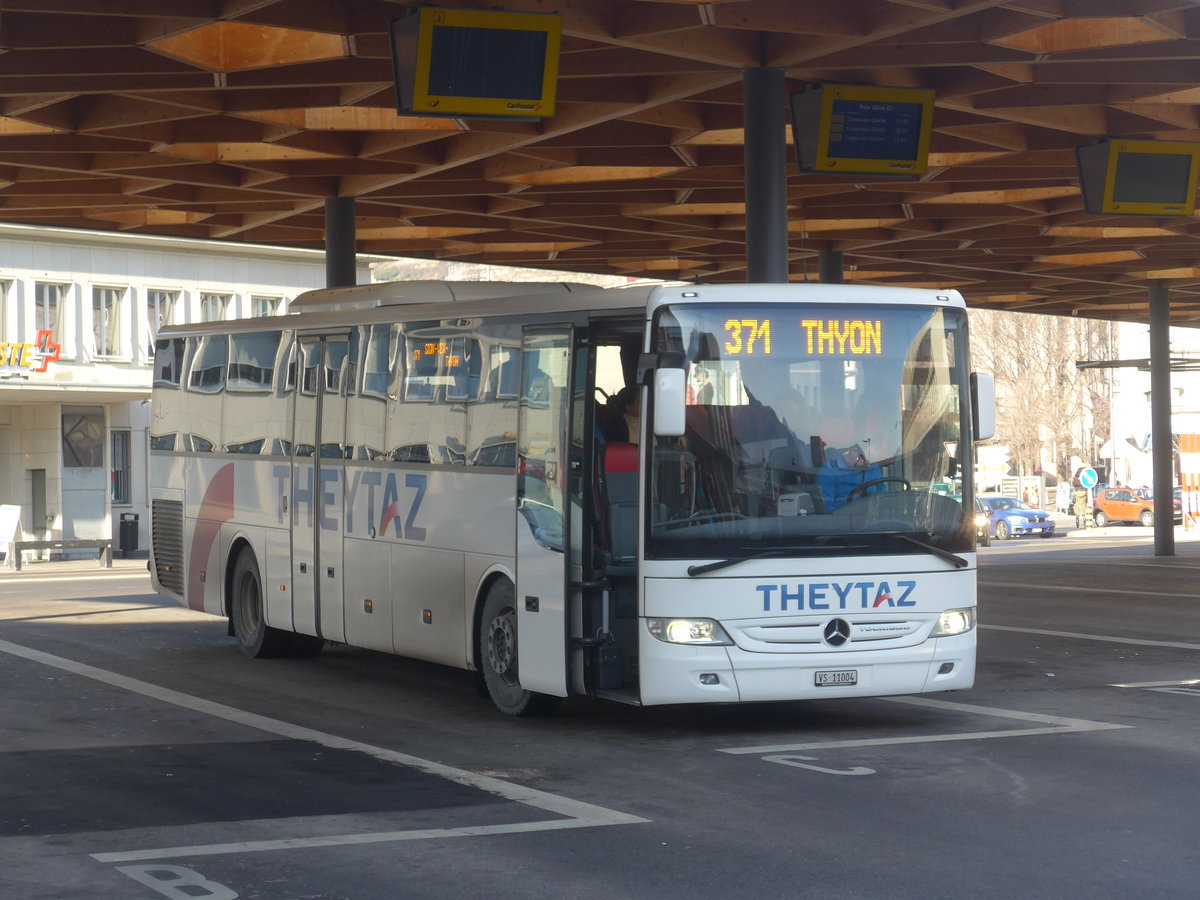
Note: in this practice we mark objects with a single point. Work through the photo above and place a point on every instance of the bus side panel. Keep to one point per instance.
(429, 608)
(276, 560)
(407, 533)
(204, 582)
(368, 580)
(210, 488)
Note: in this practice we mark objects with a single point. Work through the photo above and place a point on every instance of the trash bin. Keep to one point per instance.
(128, 534)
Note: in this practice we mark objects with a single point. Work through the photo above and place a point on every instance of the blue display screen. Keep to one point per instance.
(872, 129)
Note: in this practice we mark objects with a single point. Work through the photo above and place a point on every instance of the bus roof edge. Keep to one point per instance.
(405, 293)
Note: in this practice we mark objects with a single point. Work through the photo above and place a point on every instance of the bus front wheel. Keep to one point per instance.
(256, 639)
(498, 657)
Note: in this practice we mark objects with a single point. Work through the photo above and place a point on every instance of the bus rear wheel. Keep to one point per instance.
(498, 657)
(256, 639)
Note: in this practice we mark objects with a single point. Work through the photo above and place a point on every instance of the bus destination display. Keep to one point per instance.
(821, 337)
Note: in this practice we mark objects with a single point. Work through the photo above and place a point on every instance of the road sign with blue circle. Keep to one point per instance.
(1087, 478)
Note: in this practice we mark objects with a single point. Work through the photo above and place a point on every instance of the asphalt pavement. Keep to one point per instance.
(142, 757)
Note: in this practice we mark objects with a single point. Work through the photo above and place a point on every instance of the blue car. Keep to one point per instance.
(1011, 517)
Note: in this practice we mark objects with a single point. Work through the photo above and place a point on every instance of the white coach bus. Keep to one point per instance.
(462, 473)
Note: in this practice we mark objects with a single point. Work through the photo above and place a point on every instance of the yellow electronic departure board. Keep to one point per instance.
(1139, 178)
(465, 63)
(840, 128)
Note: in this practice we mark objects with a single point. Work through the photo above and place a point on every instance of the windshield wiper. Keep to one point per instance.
(774, 551)
(958, 561)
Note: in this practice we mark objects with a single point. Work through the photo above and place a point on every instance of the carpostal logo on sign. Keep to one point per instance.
(823, 596)
(35, 357)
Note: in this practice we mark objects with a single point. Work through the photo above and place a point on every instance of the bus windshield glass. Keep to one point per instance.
(819, 429)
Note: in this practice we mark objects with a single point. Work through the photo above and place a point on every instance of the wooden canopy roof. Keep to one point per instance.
(236, 119)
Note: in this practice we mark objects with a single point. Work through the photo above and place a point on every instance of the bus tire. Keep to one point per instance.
(498, 657)
(255, 638)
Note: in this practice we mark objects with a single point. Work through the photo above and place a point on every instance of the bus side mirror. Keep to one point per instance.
(983, 406)
(670, 386)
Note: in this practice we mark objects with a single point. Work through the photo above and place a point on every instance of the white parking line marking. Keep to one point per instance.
(578, 814)
(347, 840)
(1054, 725)
(789, 759)
(1089, 588)
(1105, 638)
(1188, 688)
(101, 574)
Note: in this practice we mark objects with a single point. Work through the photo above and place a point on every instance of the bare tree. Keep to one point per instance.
(1047, 409)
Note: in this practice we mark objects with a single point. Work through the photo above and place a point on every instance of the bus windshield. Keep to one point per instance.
(830, 429)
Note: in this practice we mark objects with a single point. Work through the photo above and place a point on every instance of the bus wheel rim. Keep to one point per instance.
(502, 646)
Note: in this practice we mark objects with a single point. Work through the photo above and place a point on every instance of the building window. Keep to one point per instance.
(160, 311)
(213, 307)
(106, 320)
(121, 468)
(83, 437)
(5, 288)
(48, 308)
(265, 306)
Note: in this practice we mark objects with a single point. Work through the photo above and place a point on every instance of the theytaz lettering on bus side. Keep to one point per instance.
(827, 595)
(397, 508)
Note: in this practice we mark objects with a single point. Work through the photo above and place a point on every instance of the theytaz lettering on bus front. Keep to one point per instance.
(827, 595)
(398, 507)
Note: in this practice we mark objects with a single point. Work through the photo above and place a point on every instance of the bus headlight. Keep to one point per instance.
(688, 631)
(954, 621)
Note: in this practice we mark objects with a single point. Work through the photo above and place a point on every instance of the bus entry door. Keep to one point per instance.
(541, 601)
(318, 471)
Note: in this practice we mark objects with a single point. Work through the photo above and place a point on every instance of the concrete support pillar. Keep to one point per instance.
(829, 267)
(340, 265)
(1160, 420)
(765, 120)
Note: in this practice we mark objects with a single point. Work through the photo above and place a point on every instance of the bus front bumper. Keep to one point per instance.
(676, 673)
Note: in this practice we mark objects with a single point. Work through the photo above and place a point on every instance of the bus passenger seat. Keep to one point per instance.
(618, 496)
(792, 475)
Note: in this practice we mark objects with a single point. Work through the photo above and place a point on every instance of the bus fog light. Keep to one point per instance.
(688, 631)
(954, 621)
(945, 668)
(710, 678)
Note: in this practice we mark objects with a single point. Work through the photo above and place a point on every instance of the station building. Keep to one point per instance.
(79, 312)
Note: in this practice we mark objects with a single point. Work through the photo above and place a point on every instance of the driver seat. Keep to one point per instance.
(618, 499)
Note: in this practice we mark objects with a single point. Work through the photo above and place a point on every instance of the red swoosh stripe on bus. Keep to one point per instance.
(215, 510)
(389, 515)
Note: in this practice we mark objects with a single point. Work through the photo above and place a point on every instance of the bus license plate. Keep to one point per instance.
(837, 679)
